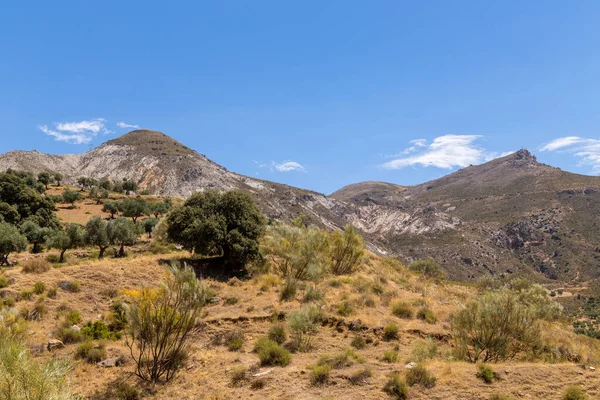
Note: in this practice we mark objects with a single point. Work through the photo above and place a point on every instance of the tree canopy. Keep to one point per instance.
(64, 239)
(11, 241)
(123, 232)
(96, 234)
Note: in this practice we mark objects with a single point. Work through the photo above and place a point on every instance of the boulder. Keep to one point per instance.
(54, 344)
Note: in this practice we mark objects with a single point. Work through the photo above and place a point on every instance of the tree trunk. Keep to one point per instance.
(101, 254)
(122, 250)
(37, 248)
(62, 256)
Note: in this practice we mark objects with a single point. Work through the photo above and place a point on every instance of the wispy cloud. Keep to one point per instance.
(80, 132)
(286, 166)
(448, 151)
(126, 125)
(587, 150)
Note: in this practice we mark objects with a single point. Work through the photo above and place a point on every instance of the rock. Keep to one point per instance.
(67, 286)
(112, 362)
(263, 373)
(592, 369)
(54, 344)
(76, 328)
(520, 393)
(410, 365)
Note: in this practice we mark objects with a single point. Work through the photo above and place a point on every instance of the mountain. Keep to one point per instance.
(510, 215)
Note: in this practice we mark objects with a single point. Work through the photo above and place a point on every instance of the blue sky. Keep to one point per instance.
(317, 94)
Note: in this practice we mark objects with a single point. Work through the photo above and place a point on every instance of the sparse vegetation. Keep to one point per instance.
(486, 373)
(396, 387)
(419, 375)
(320, 374)
(402, 309)
(429, 268)
(574, 393)
(271, 353)
(390, 332)
(277, 333)
(346, 250)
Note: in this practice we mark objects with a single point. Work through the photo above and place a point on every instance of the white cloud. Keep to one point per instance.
(446, 151)
(126, 125)
(81, 132)
(289, 166)
(588, 150)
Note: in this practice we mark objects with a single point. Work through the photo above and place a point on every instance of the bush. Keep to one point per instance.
(72, 317)
(36, 266)
(495, 327)
(97, 330)
(126, 392)
(231, 301)
(39, 287)
(419, 375)
(68, 335)
(313, 293)
(347, 250)
(429, 268)
(52, 292)
(271, 353)
(396, 387)
(499, 396)
(70, 286)
(11, 240)
(574, 393)
(289, 289)
(390, 356)
(340, 360)
(390, 332)
(238, 374)
(234, 340)
(345, 308)
(358, 342)
(89, 352)
(486, 373)
(25, 294)
(426, 314)
(424, 350)
(320, 374)
(277, 333)
(303, 324)
(161, 321)
(360, 377)
(402, 310)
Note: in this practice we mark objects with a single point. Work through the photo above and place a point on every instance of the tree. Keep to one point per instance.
(105, 184)
(161, 321)
(11, 241)
(346, 250)
(71, 196)
(226, 225)
(118, 187)
(429, 268)
(44, 178)
(111, 208)
(133, 208)
(71, 237)
(58, 178)
(122, 232)
(96, 234)
(148, 224)
(160, 208)
(129, 186)
(35, 234)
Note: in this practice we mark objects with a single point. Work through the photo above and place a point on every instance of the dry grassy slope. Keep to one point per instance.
(207, 372)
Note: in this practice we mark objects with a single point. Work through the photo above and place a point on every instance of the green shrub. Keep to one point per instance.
(390, 356)
(340, 360)
(277, 333)
(72, 317)
(271, 353)
(304, 324)
(390, 332)
(125, 391)
(235, 340)
(319, 374)
(89, 352)
(39, 287)
(118, 316)
(25, 294)
(4, 281)
(419, 375)
(36, 266)
(345, 308)
(402, 310)
(429, 268)
(68, 335)
(97, 330)
(358, 342)
(238, 374)
(52, 292)
(486, 373)
(289, 289)
(346, 250)
(574, 393)
(231, 301)
(360, 377)
(427, 315)
(396, 387)
(424, 350)
(313, 293)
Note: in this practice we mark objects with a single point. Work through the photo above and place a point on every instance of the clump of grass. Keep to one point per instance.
(125, 391)
(69, 335)
(390, 332)
(500, 396)
(39, 287)
(72, 317)
(4, 281)
(90, 352)
(574, 393)
(234, 340)
(288, 291)
(424, 350)
(360, 377)
(277, 333)
(340, 360)
(358, 342)
(36, 266)
(52, 292)
(419, 375)
(319, 374)
(390, 356)
(345, 308)
(70, 286)
(271, 353)
(426, 314)
(25, 294)
(486, 373)
(313, 293)
(402, 309)
(238, 374)
(396, 387)
(231, 301)
(258, 384)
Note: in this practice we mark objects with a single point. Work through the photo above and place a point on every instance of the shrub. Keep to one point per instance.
(11, 240)
(419, 375)
(73, 317)
(36, 266)
(499, 396)
(231, 301)
(320, 374)
(495, 327)
(429, 268)
(313, 293)
(238, 374)
(402, 310)
(4, 281)
(574, 393)
(346, 249)
(289, 289)
(89, 352)
(340, 360)
(125, 391)
(69, 335)
(486, 373)
(303, 324)
(39, 287)
(234, 340)
(427, 315)
(345, 308)
(360, 377)
(271, 353)
(52, 292)
(161, 321)
(358, 342)
(424, 350)
(25, 294)
(277, 333)
(69, 286)
(396, 387)
(97, 330)
(390, 356)
(390, 332)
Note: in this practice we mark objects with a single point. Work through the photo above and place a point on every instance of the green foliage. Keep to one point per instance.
(90, 352)
(424, 350)
(313, 294)
(347, 250)
(304, 324)
(133, 208)
(419, 375)
(277, 333)
(44, 178)
(72, 317)
(319, 374)
(390, 332)
(122, 232)
(288, 290)
(396, 387)
(360, 377)
(486, 373)
(238, 374)
(110, 207)
(271, 353)
(345, 308)
(26, 294)
(358, 342)
(11, 241)
(96, 234)
(52, 292)
(402, 310)
(71, 237)
(35, 234)
(58, 177)
(129, 186)
(97, 330)
(340, 360)
(69, 335)
(390, 356)
(429, 268)
(118, 316)
(426, 314)
(227, 225)
(574, 393)
(160, 208)
(39, 287)
(234, 340)
(148, 225)
(161, 321)
(71, 197)
(495, 327)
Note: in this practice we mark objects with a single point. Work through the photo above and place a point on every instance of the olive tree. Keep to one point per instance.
(110, 207)
(72, 236)
(11, 241)
(96, 234)
(122, 232)
(148, 224)
(71, 196)
(45, 179)
(133, 208)
(58, 177)
(35, 234)
(227, 225)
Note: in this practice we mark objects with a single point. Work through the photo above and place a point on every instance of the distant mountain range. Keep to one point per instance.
(510, 215)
